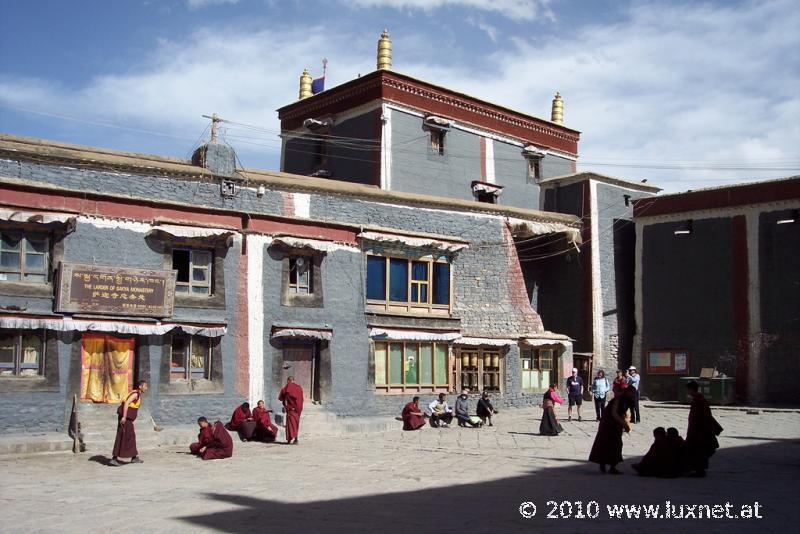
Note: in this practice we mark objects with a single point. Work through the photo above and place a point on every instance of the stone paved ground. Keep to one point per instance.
(465, 480)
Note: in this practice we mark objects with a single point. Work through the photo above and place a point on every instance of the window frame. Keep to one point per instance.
(480, 370)
(209, 268)
(534, 355)
(403, 387)
(26, 236)
(410, 306)
(17, 364)
(534, 168)
(294, 287)
(437, 141)
(189, 343)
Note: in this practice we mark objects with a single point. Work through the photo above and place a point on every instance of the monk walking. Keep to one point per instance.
(204, 438)
(125, 442)
(292, 398)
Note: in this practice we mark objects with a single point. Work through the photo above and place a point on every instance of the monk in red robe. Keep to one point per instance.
(292, 398)
(204, 438)
(242, 422)
(413, 418)
(221, 445)
(125, 442)
(265, 430)
(701, 434)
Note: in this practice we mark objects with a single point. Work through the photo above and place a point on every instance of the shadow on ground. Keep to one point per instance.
(765, 473)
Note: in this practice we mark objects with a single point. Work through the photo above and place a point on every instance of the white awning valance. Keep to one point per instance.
(40, 217)
(411, 335)
(318, 245)
(316, 124)
(540, 342)
(438, 122)
(191, 231)
(67, 324)
(531, 151)
(421, 242)
(524, 228)
(486, 341)
(302, 333)
(487, 188)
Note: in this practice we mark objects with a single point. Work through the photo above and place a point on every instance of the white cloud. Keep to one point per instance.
(689, 85)
(514, 9)
(200, 4)
(481, 24)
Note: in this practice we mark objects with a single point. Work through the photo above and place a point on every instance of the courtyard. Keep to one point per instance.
(456, 479)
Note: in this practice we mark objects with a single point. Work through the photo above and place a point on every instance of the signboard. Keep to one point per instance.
(115, 290)
(669, 362)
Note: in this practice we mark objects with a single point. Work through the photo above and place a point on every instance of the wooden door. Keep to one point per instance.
(298, 361)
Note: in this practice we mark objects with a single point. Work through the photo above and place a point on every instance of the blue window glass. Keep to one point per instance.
(376, 278)
(441, 283)
(398, 280)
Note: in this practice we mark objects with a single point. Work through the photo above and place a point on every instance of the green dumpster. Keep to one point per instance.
(720, 390)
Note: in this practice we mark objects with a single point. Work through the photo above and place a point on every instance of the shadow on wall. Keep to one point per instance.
(765, 473)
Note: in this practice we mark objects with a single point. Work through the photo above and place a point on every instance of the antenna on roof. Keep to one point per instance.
(215, 120)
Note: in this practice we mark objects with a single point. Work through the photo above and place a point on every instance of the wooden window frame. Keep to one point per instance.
(209, 268)
(26, 236)
(17, 365)
(675, 356)
(437, 140)
(481, 353)
(403, 387)
(295, 287)
(189, 342)
(535, 357)
(409, 306)
(534, 168)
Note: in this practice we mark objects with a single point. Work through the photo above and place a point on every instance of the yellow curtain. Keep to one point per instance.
(120, 352)
(106, 368)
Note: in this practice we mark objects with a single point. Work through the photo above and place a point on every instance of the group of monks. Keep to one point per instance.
(670, 455)
(214, 441)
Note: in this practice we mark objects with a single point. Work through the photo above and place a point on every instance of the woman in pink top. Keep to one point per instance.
(550, 425)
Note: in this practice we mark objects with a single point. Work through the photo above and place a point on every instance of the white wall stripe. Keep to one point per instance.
(490, 161)
(255, 315)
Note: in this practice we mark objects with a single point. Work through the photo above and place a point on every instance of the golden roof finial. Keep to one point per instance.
(557, 115)
(305, 85)
(384, 51)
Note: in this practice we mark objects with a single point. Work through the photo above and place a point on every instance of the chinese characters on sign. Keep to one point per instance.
(115, 290)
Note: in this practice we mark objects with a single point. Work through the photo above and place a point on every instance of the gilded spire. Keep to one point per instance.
(557, 115)
(384, 51)
(305, 85)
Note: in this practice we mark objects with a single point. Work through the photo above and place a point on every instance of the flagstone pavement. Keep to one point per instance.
(456, 479)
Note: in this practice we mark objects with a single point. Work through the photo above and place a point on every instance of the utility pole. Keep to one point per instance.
(215, 120)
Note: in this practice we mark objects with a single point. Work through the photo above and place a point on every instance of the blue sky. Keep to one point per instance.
(684, 94)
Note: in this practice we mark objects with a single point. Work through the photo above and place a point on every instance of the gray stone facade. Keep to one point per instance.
(487, 301)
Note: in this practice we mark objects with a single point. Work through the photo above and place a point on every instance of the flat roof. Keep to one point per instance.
(591, 175)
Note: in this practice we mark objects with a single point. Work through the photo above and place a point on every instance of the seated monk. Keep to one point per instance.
(653, 464)
(221, 445)
(413, 418)
(265, 430)
(242, 422)
(675, 463)
(204, 438)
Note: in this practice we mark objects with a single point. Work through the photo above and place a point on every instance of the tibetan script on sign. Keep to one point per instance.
(115, 290)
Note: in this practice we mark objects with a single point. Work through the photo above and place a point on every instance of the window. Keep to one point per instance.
(437, 141)
(21, 353)
(411, 366)
(484, 196)
(537, 369)
(190, 358)
(24, 257)
(534, 168)
(301, 279)
(194, 271)
(412, 285)
(668, 362)
(478, 369)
